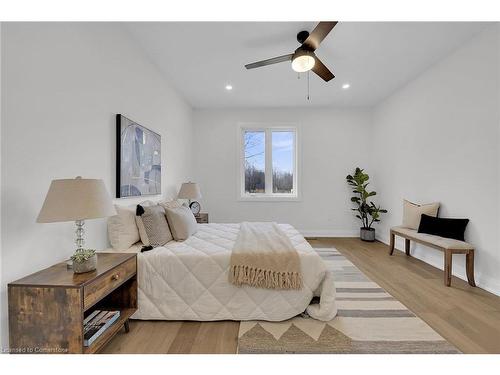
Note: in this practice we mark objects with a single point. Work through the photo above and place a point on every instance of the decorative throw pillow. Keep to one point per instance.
(443, 227)
(153, 226)
(182, 222)
(122, 228)
(138, 221)
(413, 211)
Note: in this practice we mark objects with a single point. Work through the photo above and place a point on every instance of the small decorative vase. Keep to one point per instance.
(87, 266)
(367, 234)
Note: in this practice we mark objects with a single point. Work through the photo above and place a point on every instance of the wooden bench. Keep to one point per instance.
(447, 245)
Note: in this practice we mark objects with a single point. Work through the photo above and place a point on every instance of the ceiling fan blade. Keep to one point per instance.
(321, 70)
(318, 34)
(274, 60)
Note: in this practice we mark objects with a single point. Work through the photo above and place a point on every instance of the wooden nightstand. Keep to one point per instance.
(202, 218)
(47, 308)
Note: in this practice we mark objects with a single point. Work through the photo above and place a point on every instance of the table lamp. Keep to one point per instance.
(76, 200)
(191, 190)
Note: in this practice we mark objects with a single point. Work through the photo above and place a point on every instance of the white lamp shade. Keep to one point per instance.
(189, 190)
(76, 199)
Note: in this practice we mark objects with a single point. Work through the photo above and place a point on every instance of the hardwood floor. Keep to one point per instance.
(467, 317)
(176, 337)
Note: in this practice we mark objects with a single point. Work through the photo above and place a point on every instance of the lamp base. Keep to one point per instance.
(80, 233)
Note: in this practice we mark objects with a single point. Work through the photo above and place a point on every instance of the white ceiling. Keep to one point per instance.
(376, 58)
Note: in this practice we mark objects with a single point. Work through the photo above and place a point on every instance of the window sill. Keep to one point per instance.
(269, 198)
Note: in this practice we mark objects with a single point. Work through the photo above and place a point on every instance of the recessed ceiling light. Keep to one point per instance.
(345, 86)
(229, 87)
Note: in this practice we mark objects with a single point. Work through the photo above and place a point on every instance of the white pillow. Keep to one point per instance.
(182, 222)
(122, 228)
(175, 203)
(412, 213)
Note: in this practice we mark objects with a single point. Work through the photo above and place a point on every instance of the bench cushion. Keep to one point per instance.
(445, 243)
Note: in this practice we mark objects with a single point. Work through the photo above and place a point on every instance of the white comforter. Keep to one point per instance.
(189, 281)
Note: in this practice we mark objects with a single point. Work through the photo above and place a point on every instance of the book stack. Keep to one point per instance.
(96, 323)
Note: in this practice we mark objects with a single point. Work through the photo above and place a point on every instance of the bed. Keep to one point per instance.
(189, 281)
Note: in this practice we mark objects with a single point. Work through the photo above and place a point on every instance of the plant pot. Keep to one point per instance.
(87, 266)
(367, 234)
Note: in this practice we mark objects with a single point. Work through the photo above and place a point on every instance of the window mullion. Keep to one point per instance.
(269, 163)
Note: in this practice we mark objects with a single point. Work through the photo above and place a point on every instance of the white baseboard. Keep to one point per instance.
(458, 270)
(329, 233)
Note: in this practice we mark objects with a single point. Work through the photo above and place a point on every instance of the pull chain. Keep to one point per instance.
(308, 98)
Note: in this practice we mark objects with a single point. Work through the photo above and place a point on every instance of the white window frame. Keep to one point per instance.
(268, 128)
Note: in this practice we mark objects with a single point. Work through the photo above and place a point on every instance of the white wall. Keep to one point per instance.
(333, 142)
(62, 84)
(437, 139)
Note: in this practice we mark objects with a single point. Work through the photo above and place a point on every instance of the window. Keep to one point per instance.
(268, 162)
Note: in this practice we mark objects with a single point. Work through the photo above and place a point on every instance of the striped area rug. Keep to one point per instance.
(369, 320)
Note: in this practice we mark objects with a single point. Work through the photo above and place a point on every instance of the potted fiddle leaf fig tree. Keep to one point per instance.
(367, 211)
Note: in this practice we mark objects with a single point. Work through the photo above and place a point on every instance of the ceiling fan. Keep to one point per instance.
(304, 58)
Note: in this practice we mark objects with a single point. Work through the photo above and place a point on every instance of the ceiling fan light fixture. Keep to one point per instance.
(303, 61)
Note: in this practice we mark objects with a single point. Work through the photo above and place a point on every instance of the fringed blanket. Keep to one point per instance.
(264, 257)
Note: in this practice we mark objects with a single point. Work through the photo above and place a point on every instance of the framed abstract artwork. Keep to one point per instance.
(138, 159)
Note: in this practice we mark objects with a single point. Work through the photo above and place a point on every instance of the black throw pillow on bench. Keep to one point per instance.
(443, 227)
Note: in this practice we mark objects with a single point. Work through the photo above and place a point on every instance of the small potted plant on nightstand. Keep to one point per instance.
(368, 212)
(84, 260)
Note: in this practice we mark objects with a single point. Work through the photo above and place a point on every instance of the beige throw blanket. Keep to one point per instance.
(264, 257)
